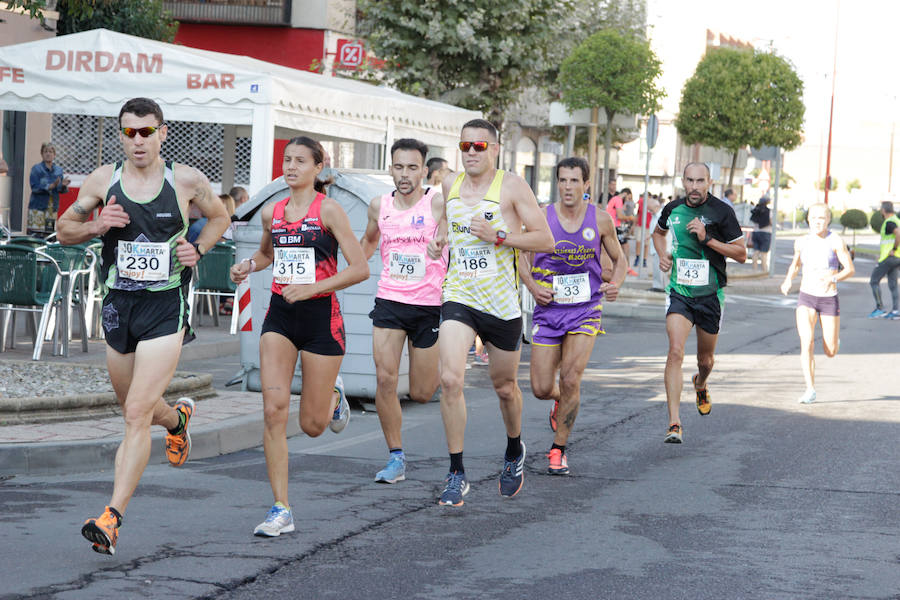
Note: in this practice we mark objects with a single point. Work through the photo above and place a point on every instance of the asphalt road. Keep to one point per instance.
(766, 498)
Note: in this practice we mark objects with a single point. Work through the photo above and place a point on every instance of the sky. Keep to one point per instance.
(867, 88)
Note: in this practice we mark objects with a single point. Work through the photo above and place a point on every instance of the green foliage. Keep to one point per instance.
(739, 98)
(854, 185)
(786, 179)
(854, 219)
(820, 185)
(141, 18)
(613, 71)
(78, 8)
(876, 221)
(470, 53)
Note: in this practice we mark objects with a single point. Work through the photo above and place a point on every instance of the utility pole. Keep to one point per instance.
(831, 115)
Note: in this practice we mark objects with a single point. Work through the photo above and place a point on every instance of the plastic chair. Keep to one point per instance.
(27, 240)
(22, 289)
(212, 277)
(76, 263)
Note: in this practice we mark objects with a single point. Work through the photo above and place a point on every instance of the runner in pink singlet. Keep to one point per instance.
(408, 301)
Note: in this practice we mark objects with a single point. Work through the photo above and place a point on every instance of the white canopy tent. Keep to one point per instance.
(95, 72)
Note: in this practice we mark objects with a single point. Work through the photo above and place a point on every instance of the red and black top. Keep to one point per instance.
(308, 232)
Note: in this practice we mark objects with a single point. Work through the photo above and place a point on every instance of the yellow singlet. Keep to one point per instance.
(481, 275)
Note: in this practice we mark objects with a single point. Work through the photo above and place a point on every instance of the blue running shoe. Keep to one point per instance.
(877, 314)
(394, 471)
(894, 315)
(513, 476)
(457, 487)
(278, 520)
(341, 415)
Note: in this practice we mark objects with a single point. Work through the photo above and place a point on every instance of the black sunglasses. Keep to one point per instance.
(144, 131)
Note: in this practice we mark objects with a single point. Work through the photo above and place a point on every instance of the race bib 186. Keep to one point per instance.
(294, 265)
(476, 262)
(571, 289)
(692, 272)
(143, 261)
(407, 267)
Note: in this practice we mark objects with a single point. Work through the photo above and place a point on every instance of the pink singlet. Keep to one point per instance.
(408, 274)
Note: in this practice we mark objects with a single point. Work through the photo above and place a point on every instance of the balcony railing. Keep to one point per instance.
(232, 12)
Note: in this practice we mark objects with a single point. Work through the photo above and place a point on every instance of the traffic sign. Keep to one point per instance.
(652, 131)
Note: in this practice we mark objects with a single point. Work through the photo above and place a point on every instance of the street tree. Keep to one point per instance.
(820, 184)
(468, 52)
(141, 18)
(853, 184)
(615, 72)
(854, 219)
(738, 98)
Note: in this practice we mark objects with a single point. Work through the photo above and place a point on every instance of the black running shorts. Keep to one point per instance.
(132, 317)
(505, 335)
(315, 325)
(705, 312)
(420, 323)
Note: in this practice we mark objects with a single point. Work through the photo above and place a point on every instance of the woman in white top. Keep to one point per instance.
(825, 261)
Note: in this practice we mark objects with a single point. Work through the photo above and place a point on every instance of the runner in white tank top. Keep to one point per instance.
(825, 261)
(408, 302)
(499, 206)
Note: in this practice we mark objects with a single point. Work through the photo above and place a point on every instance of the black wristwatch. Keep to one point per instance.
(197, 248)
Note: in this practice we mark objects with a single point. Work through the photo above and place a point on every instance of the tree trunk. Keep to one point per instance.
(592, 153)
(607, 144)
(731, 172)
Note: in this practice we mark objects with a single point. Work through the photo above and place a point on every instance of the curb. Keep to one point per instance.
(58, 458)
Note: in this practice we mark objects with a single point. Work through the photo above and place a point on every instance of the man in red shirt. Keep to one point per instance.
(616, 210)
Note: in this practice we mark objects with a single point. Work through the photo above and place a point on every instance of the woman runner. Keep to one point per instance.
(301, 236)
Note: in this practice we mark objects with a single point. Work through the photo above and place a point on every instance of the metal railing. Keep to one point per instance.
(233, 12)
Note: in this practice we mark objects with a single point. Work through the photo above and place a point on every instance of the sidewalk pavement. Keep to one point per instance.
(232, 420)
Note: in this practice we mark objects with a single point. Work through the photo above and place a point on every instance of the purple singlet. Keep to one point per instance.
(573, 272)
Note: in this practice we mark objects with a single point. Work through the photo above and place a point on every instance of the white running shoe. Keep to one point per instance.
(278, 520)
(341, 415)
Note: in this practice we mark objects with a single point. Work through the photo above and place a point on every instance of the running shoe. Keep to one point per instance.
(481, 359)
(278, 520)
(553, 412)
(808, 397)
(513, 475)
(394, 471)
(341, 415)
(558, 463)
(673, 435)
(102, 532)
(703, 404)
(877, 314)
(178, 446)
(457, 487)
(632, 272)
(894, 315)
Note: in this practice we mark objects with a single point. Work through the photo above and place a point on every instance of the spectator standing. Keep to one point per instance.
(761, 218)
(728, 198)
(47, 182)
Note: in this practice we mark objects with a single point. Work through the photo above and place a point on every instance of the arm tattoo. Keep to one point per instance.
(78, 209)
(201, 195)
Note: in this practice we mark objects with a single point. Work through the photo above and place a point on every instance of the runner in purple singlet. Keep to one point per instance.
(568, 287)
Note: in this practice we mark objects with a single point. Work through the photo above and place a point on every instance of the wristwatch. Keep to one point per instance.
(197, 248)
(501, 238)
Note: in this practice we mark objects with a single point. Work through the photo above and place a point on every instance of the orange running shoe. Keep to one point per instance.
(558, 463)
(674, 434)
(178, 446)
(703, 404)
(102, 532)
(553, 415)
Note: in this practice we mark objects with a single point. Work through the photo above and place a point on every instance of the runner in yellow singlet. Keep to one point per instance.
(485, 213)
